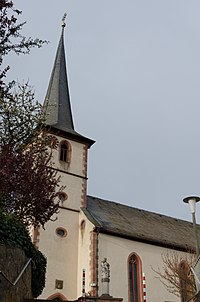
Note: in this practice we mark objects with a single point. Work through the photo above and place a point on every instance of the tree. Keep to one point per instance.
(28, 185)
(11, 39)
(175, 274)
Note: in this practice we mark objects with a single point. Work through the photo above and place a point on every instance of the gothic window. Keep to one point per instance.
(65, 151)
(57, 297)
(82, 227)
(134, 278)
(186, 281)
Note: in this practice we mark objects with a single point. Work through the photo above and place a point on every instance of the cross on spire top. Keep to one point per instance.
(63, 24)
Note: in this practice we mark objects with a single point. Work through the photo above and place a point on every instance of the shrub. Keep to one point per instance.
(15, 234)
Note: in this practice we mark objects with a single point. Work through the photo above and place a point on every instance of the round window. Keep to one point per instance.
(61, 232)
(62, 196)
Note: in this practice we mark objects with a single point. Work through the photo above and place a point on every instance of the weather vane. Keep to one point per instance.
(63, 24)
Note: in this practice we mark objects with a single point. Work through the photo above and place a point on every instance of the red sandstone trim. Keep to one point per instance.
(85, 157)
(84, 193)
(93, 263)
(62, 229)
(84, 181)
(35, 237)
(57, 295)
(139, 276)
(69, 150)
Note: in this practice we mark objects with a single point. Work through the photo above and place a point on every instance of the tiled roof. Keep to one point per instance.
(140, 225)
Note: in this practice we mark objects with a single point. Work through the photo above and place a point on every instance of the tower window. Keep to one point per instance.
(134, 278)
(65, 151)
(61, 232)
(82, 225)
(62, 196)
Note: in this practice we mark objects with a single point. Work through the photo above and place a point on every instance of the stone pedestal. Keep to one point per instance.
(105, 277)
(105, 287)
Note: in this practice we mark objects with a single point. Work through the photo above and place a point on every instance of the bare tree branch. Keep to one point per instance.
(175, 273)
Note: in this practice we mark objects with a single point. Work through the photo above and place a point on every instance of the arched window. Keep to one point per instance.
(65, 151)
(57, 297)
(135, 278)
(187, 289)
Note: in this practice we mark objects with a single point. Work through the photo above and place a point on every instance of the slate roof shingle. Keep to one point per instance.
(140, 225)
(57, 105)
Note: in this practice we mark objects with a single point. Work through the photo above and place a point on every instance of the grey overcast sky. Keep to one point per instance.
(134, 77)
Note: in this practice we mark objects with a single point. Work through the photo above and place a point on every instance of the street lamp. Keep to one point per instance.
(192, 200)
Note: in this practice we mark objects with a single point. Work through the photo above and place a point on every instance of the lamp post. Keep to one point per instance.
(192, 200)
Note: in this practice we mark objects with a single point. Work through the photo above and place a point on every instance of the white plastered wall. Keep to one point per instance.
(84, 254)
(75, 165)
(62, 253)
(117, 251)
(73, 176)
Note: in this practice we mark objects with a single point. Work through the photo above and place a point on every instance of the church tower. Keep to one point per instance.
(59, 240)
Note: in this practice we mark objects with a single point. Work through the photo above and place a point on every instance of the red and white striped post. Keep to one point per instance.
(144, 287)
(83, 283)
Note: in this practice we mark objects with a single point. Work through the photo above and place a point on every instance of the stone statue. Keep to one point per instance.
(105, 277)
(105, 270)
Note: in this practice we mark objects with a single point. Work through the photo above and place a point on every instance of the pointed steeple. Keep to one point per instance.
(57, 101)
(57, 105)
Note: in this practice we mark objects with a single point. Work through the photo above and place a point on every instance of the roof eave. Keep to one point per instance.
(170, 245)
(70, 135)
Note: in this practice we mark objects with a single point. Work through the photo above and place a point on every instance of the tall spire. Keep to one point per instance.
(57, 102)
(57, 105)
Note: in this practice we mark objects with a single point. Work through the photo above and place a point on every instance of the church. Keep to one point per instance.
(89, 231)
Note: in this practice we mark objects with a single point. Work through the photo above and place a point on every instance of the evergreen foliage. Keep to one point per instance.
(27, 182)
(28, 185)
(15, 234)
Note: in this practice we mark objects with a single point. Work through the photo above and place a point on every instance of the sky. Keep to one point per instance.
(134, 79)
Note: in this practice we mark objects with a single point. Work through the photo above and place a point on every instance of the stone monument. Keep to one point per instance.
(105, 277)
